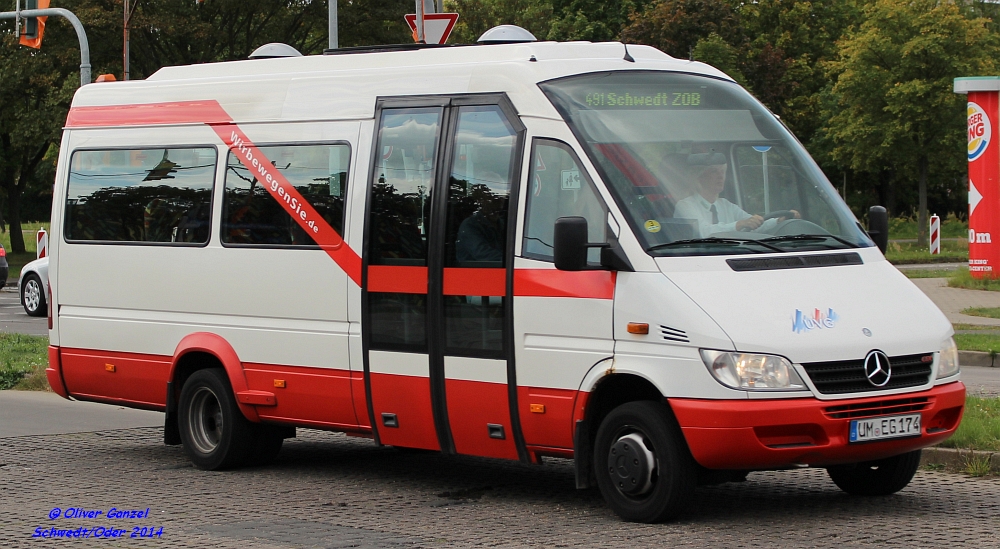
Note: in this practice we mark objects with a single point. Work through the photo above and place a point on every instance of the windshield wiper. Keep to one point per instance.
(716, 240)
(809, 237)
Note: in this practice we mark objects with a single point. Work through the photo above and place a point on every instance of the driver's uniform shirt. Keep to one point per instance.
(728, 214)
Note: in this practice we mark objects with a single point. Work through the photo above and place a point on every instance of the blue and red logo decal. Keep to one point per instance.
(818, 320)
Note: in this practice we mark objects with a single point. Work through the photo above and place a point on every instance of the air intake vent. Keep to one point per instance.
(673, 334)
(794, 262)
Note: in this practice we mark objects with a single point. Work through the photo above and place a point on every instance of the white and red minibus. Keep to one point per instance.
(519, 250)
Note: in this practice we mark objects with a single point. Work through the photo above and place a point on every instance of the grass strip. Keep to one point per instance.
(987, 343)
(980, 428)
(23, 359)
(927, 273)
(988, 312)
(961, 278)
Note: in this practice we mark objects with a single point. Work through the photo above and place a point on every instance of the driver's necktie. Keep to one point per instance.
(715, 215)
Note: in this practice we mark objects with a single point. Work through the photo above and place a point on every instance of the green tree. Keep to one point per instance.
(36, 87)
(595, 20)
(676, 26)
(892, 101)
(478, 16)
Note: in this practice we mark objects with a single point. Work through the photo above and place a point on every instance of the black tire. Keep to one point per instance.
(266, 445)
(33, 296)
(649, 483)
(876, 478)
(214, 432)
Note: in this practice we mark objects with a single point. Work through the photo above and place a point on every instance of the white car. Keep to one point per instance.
(33, 284)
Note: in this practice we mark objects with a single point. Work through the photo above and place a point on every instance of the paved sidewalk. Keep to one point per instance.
(952, 300)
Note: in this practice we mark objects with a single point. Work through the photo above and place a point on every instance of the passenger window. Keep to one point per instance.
(140, 195)
(559, 187)
(251, 215)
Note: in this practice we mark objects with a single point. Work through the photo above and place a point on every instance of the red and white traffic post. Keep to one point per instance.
(984, 173)
(935, 235)
(41, 244)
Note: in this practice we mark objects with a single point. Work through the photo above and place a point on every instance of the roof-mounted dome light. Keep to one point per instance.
(506, 34)
(273, 50)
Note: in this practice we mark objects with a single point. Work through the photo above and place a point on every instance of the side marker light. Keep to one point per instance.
(109, 368)
(638, 328)
(537, 408)
(279, 383)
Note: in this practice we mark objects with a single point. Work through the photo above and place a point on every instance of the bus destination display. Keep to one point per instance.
(629, 100)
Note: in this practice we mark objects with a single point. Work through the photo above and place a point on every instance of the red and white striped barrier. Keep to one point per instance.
(41, 243)
(935, 235)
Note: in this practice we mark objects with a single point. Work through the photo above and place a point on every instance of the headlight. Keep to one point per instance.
(752, 372)
(948, 359)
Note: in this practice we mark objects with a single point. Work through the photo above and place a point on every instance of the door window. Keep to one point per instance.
(559, 187)
(476, 237)
(400, 222)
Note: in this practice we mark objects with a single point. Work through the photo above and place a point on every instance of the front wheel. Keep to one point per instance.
(643, 467)
(33, 296)
(876, 478)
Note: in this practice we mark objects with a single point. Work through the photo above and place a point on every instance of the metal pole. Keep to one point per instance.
(334, 37)
(81, 34)
(420, 22)
(125, 42)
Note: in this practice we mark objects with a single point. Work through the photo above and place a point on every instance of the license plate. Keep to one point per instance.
(878, 428)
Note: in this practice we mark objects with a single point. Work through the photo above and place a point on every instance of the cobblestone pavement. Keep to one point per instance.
(330, 490)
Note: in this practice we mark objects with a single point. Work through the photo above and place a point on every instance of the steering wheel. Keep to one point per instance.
(780, 213)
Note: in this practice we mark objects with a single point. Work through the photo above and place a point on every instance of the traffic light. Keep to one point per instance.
(34, 27)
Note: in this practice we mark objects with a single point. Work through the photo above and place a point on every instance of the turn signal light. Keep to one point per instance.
(109, 368)
(280, 383)
(638, 328)
(537, 408)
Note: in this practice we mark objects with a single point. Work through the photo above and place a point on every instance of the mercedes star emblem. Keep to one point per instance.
(877, 368)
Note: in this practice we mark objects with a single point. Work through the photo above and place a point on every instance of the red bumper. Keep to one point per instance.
(54, 373)
(770, 434)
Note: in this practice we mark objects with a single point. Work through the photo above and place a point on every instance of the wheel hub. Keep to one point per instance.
(631, 465)
(206, 421)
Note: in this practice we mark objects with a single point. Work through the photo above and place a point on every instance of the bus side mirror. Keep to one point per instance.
(878, 226)
(569, 246)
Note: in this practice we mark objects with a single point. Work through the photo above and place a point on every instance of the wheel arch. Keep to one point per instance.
(604, 389)
(201, 350)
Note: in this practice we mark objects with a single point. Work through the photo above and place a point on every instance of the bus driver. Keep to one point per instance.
(713, 213)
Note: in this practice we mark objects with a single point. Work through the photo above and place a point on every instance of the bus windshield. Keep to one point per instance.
(700, 167)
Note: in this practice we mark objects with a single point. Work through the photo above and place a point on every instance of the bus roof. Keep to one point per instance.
(343, 87)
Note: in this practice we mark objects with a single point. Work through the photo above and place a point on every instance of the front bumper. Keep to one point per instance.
(773, 434)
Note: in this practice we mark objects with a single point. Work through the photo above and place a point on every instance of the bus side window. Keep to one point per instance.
(140, 195)
(251, 215)
(558, 186)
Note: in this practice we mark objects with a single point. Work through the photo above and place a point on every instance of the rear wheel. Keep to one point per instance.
(642, 464)
(876, 478)
(33, 296)
(214, 431)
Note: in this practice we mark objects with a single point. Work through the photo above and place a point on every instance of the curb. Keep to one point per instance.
(958, 461)
(976, 358)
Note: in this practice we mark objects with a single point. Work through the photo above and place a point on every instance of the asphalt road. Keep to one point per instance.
(42, 413)
(13, 319)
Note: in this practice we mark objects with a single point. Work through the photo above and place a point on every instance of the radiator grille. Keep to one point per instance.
(848, 376)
